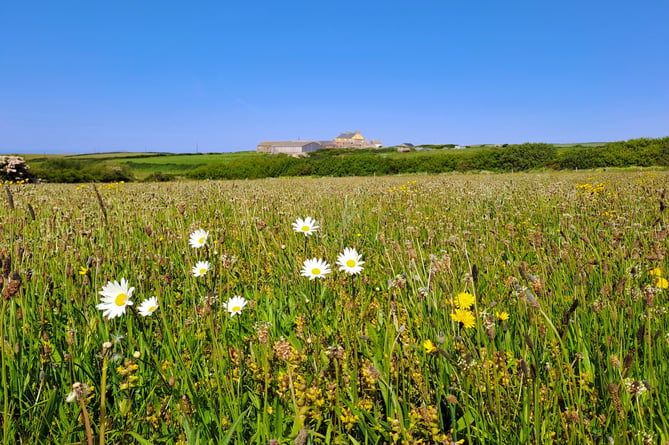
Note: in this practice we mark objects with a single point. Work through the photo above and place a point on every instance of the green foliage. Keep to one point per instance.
(526, 156)
(67, 170)
(510, 158)
(635, 152)
(159, 177)
(437, 146)
(111, 172)
(355, 162)
(63, 175)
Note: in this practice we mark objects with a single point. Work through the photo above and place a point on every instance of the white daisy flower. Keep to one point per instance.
(350, 261)
(201, 268)
(198, 238)
(235, 305)
(115, 298)
(307, 225)
(315, 268)
(148, 307)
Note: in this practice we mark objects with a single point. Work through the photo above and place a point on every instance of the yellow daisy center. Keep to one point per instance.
(201, 241)
(120, 299)
(236, 309)
(305, 228)
(152, 308)
(350, 263)
(315, 271)
(203, 271)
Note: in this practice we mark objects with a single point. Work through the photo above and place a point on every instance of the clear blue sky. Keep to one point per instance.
(85, 76)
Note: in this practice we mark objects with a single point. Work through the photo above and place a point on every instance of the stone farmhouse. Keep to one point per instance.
(344, 140)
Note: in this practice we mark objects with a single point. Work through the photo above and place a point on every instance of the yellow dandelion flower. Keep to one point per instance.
(661, 283)
(464, 316)
(503, 316)
(464, 300)
(83, 270)
(430, 348)
(655, 272)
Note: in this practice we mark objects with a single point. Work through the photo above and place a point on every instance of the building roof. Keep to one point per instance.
(289, 143)
(347, 135)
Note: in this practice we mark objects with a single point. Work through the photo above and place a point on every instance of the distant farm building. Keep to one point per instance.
(288, 147)
(328, 144)
(351, 139)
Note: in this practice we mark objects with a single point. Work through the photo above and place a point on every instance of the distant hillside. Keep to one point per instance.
(110, 167)
(125, 166)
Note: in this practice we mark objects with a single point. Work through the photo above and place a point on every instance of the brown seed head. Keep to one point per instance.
(452, 399)
(11, 289)
(263, 334)
(372, 372)
(70, 337)
(7, 266)
(302, 436)
(283, 350)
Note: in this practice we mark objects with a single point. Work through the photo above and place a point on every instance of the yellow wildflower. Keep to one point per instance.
(464, 300)
(465, 317)
(430, 348)
(661, 283)
(503, 316)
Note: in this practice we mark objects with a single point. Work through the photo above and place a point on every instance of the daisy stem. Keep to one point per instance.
(240, 354)
(142, 322)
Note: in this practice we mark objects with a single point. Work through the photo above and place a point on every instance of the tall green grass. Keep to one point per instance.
(572, 259)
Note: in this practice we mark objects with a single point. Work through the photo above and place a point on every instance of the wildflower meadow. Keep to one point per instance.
(479, 309)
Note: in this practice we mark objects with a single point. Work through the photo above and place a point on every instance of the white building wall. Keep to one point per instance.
(289, 150)
(312, 146)
(295, 149)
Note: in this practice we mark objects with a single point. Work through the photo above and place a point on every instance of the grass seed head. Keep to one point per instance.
(12, 288)
(7, 266)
